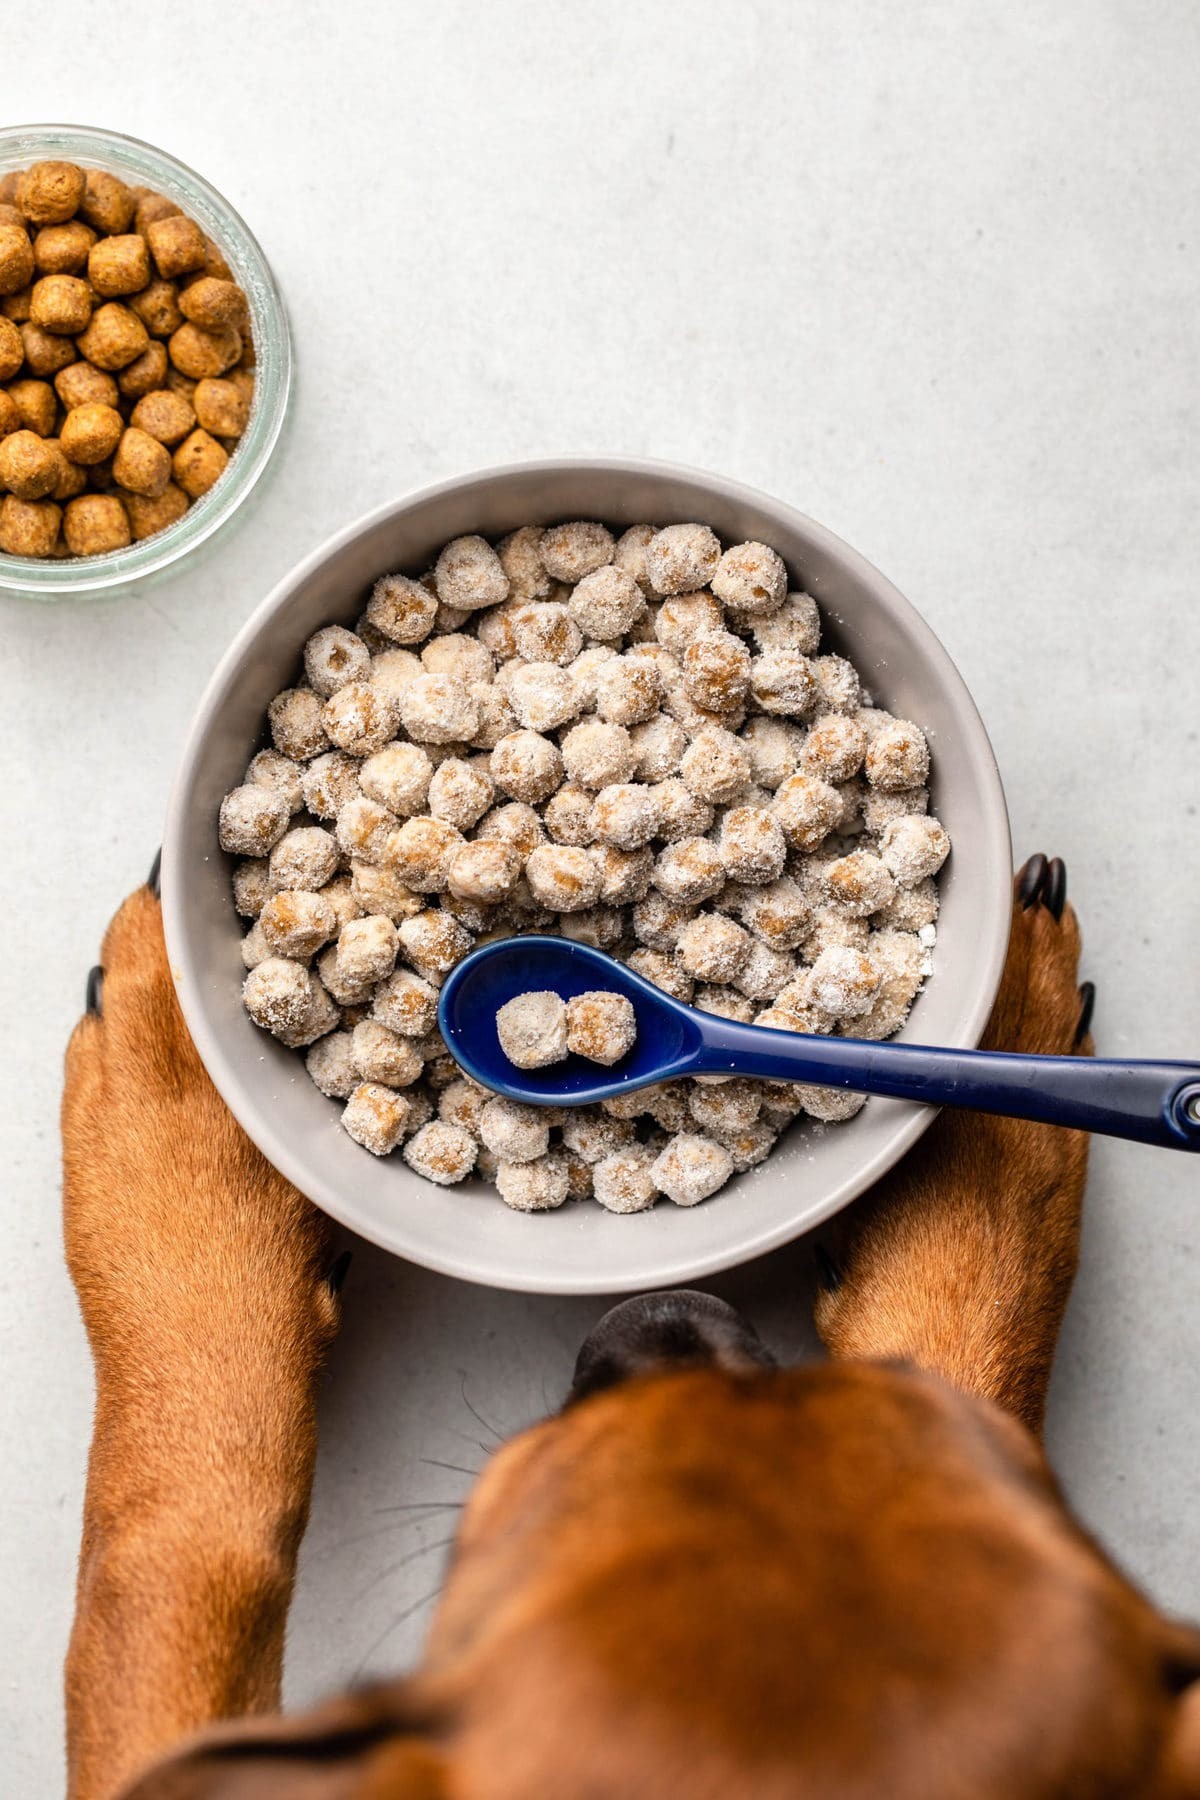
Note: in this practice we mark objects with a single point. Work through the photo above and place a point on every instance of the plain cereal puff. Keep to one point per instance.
(12, 352)
(63, 249)
(204, 354)
(177, 245)
(142, 465)
(28, 527)
(61, 304)
(29, 467)
(35, 402)
(79, 384)
(49, 193)
(148, 516)
(107, 204)
(118, 266)
(157, 306)
(214, 303)
(94, 524)
(114, 336)
(221, 407)
(145, 373)
(16, 259)
(90, 433)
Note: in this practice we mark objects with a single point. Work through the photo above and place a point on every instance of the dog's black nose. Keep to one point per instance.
(658, 1332)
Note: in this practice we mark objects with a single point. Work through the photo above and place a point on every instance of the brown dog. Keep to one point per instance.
(705, 1577)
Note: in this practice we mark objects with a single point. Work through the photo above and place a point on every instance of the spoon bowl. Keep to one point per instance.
(668, 1033)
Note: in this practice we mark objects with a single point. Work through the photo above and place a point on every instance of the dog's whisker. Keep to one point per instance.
(435, 1462)
(400, 1563)
(475, 1412)
(395, 1625)
(394, 1529)
(413, 1556)
(423, 1506)
(464, 1437)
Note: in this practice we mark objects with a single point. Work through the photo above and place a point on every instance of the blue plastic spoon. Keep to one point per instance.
(1150, 1102)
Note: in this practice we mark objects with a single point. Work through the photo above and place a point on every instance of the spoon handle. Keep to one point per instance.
(1150, 1102)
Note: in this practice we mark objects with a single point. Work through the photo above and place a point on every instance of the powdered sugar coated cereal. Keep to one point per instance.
(532, 1029)
(525, 738)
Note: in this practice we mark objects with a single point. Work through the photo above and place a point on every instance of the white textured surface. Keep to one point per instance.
(930, 273)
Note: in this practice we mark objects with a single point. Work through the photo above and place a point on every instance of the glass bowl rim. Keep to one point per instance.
(34, 578)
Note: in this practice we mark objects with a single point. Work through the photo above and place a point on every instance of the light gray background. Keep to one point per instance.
(928, 271)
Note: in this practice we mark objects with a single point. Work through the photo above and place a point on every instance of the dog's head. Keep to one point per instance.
(710, 1577)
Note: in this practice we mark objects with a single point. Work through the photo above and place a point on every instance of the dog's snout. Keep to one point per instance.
(658, 1332)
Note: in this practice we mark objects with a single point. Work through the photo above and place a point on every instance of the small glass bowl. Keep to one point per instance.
(142, 165)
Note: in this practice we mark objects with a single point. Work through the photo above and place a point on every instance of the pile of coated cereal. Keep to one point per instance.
(633, 741)
(126, 362)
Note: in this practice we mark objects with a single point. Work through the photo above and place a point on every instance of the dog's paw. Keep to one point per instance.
(1041, 1010)
(961, 1259)
(166, 1202)
(132, 1046)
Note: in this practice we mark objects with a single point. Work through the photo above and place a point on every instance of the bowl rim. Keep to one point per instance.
(992, 928)
(34, 578)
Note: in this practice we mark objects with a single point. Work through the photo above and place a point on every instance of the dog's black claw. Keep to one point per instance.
(1054, 888)
(1087, 1006)
(95, 982)
(337, 1272)
(153, 878)
(1029, 880)
(828, 1273)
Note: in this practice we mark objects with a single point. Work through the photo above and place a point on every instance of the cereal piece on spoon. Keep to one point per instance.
(532, 1029)
(600, 1026)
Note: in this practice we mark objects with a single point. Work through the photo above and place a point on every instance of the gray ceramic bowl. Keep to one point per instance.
(467, 1231)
